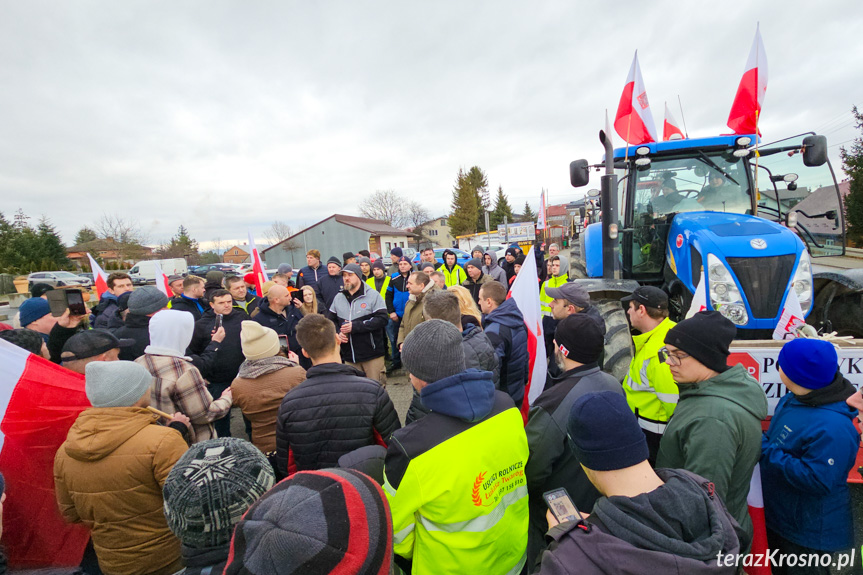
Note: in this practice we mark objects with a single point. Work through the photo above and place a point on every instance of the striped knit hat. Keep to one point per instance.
(211, 487)
(315, 523)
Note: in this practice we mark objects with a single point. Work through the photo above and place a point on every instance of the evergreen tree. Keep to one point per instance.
(463, 215)
(852, 163)
(181, 245)
(501, 209)
(529, 215)
(477, 180)
(51, 251)
(24, 250)
(85, 235)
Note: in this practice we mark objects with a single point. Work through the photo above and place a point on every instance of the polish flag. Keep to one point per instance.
(526, 297)
(257, 267)
(746, 108)
(162, 282)
(792, 317)
(634, 122)
(99, 276)
(755, 502)
(699, 300)
(671, 129)
(39, 402)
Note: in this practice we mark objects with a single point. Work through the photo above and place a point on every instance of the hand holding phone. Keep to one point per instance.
(561, 506)
(283, 344)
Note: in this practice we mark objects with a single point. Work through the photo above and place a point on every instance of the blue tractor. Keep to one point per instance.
(749, 219)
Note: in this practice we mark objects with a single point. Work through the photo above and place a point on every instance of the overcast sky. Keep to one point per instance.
(224, 116)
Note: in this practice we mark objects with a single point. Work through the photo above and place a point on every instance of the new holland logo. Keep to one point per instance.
(758, 244)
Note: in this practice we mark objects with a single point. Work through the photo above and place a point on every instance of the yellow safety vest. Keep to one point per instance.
(371, 283)
(544, 300)
(650, 389)
(454, 277)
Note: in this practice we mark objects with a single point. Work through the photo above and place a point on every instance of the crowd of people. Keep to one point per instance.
(655, 469)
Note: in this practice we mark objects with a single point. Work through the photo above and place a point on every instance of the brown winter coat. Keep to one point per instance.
(260, 397)
(108, 475)
(414, 312)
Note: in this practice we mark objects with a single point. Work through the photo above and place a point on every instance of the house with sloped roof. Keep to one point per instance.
(334, 236)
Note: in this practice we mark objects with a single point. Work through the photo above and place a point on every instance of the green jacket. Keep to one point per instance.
(716, 433)
(650, 389)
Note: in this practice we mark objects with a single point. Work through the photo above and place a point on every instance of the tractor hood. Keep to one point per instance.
(761, 255)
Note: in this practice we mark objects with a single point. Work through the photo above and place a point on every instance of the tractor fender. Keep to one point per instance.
(601, 288)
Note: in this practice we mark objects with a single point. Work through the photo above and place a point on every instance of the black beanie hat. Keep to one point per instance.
(604, 433)
(334, 260)
(24, 338)
(379, 264)
(705, 336)
(579, 338)
(519, 260)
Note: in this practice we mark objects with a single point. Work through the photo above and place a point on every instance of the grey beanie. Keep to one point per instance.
(285, 269)
(210, 488)
(475, 262)
(433, 351)
(364, 260)
(115, 383)
(353, 269)
(146, 300)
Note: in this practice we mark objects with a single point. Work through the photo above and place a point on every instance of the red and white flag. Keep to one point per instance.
(608, 129)
(39, 401)
(540, 219)
(257, 267)
(162, 282)
(100, 278)
(699, 299)
(792, 317)
(746, 108)
(671, 129)
(526, 295)
(634, 122)
(755, 501)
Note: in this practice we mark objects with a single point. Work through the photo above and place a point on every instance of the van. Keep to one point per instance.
(145, 271)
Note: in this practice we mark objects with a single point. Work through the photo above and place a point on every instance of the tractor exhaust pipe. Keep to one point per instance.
(608, 199)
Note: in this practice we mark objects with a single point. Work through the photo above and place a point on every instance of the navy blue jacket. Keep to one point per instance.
(397, 294)
(329, 287)
(310, 277)
(281, 324)
(806, 456)
(506, 330)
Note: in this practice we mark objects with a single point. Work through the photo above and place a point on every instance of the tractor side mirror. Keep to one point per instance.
(814, 151)
(579, 173)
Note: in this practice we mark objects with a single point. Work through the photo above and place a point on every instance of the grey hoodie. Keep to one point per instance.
(496, 272)
(679, 527)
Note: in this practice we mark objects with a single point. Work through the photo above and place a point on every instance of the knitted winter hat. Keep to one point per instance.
(353, 269)
(258, 341)
(512, 252)
(396, 251)
(810, 363)
(706, 337)
(348, 255)
(123, 301)
(214, 276)
(519, 261)
(579, 338)
(433, 351)
(210, 488)
(116, 383)
(249, 278)
(604, 433)
(146, 300)
(475, 262)
(33, 309)
(425, 265)
(285, 269)
(379, 264)
(364, 260)
(313, 522)
(24, 338)
(334, 260)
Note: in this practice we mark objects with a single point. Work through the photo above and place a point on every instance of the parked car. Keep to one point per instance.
(462, 257)
(58, 279)
(226, 269)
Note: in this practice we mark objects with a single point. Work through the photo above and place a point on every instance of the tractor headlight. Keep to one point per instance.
(802, 282)
(725, 297)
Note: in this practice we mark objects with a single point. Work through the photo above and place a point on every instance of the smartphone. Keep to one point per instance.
(218, 321)
(59, 300)
(561, 505)
(283, 343)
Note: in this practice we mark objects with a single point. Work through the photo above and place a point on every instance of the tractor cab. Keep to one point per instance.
(745, 218)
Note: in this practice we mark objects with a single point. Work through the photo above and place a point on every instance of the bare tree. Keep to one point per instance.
(278, 233)
(387, 206)
(217, 245)
(418, 217)
(127, 236)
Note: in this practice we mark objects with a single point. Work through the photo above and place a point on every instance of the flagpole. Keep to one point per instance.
(682, 117)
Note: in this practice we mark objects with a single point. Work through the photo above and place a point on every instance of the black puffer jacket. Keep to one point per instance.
(281, 324)
(135, 327)
(333, 412)
(230, 356)
(183, 303)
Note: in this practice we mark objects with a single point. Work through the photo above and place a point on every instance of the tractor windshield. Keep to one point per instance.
(700, 182)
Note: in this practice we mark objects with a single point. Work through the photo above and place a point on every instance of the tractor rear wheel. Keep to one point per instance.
(618, 339)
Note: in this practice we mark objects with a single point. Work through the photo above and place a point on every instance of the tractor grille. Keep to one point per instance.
(763, 281)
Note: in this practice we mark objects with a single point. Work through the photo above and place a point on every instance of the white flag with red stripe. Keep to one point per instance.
(525, 292)
(671, 129)
(792, 317)
(162, 282)
(755, 501)
(257, 267)
(540, 219)
(746, 107)
(100, 278)
(699, 300)
(634, 121)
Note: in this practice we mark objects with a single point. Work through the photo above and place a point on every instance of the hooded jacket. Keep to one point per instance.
(248, 305)
(552, 463)
(805, 459)
(333, 412)
(109, 475)
(413, 315)
(679, 527)
(455, 481)
(505, 328)
(135, 327)
(368, 316)
(104, 315)
(282, 324)
(227, 361)
(454, 275)
(397, 294)
(716, 433)
(496, 272)
(474, 286)
(329, 287)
